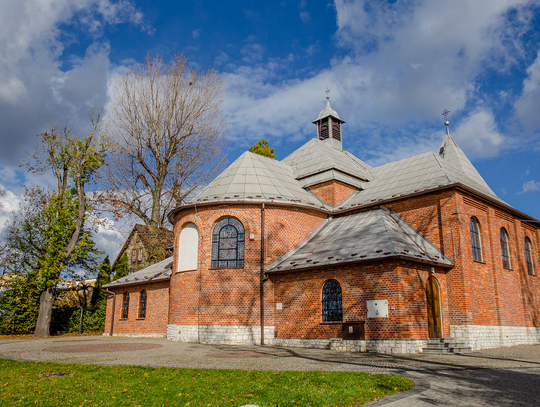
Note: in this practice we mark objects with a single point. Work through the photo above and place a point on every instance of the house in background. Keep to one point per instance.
(140, 248)
(322, 250)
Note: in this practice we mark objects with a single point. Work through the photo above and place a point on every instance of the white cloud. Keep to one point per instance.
(109, 238)
(530, 186)
(10, 203)
(252, 53)
(527, 105)
(478, 136)
(407, 61)
(36, 88)
(304, 16)
(196, 33)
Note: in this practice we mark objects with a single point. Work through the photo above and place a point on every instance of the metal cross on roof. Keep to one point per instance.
(327, 93)
(445, 114)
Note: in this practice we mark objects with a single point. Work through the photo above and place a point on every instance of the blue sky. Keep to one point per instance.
(392, 67)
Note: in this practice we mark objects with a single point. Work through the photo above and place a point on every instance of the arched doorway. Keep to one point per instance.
(434, 308)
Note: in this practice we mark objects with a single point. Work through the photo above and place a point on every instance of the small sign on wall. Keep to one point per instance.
(377, 309)
(279, 305)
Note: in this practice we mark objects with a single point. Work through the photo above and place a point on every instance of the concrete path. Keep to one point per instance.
(497, 377)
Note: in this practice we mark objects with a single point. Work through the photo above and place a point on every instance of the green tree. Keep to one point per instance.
(262, 148)
(35, 236)
(103, 277)
(122, 267)
(19, 304)
(64, 241)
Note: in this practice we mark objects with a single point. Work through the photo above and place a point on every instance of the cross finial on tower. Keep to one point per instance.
(446, 122)
(327, 93)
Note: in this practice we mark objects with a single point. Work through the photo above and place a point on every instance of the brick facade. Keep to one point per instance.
(333, 192)
(472, 294)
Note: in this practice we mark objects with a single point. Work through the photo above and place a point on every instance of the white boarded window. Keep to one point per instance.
(188, 248)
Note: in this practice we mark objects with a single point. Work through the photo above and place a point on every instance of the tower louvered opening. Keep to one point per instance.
(323, 130)
(336, 129)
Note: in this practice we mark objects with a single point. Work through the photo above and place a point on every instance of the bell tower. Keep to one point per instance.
(329, 125)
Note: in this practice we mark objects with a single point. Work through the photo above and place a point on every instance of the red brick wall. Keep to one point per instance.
(401, 283)
(333, 192)
(230, 296)
(474, 293)
(157, 309)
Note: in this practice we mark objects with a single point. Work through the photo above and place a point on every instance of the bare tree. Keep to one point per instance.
(164, 134)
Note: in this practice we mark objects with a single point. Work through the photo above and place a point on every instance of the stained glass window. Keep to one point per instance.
(475, 240)
(528, 256)
(228, 244)
(125, 305)
(505, 252)
(142, 304)
(331, 302)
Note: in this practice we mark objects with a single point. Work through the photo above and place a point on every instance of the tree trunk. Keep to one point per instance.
(45, 309)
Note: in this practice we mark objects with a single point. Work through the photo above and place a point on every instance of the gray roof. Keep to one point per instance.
(253, 177)
(414, 174)
(156, 272)
(318, 156)
(328, 111)
(365, 236)
(450, 152)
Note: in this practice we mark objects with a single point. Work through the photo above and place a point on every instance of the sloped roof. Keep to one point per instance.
(328, 111)
(450, 152)
(365, 236)
(253, 177)
(414, 174)
(156, 272)
(317, 156)
(166, 236)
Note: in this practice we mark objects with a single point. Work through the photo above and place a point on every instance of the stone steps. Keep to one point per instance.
(442, 346)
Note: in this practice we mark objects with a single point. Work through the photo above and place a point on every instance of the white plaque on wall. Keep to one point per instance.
(377, 309)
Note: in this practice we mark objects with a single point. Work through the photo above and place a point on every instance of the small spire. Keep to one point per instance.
(327, 93)
(446, 122)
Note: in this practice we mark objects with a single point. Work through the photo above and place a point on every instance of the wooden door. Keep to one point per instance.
(434, 308)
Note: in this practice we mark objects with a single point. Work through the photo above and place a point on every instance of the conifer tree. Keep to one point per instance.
(122, 267)
(103, 277)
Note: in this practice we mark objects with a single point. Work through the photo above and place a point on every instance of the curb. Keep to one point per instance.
(419, 387)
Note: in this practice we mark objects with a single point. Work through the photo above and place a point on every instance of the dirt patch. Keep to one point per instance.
(103, 347)
(239, 355)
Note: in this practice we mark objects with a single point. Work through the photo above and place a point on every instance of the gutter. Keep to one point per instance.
(113, 308)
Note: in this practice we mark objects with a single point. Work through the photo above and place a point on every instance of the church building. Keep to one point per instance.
(325, 251)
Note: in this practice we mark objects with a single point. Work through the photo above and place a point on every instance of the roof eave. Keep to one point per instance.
(371, 260)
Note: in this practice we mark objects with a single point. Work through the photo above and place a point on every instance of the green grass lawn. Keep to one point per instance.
(23, 383)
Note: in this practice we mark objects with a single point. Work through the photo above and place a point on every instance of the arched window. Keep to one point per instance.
(188, 248)
(476, 243)
(228, 244)
(528, 256)
(142, 304)
(331, 302)
(505, 252)
(125, 305)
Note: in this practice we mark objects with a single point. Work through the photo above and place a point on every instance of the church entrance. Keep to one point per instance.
(434, 308)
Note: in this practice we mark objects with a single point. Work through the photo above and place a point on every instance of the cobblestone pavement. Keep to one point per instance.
(496, 377)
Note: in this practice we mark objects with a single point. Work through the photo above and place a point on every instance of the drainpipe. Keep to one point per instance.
(261, 278)
(113, 308)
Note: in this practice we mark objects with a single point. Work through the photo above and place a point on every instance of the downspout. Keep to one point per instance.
(113, 308)
(261, 277)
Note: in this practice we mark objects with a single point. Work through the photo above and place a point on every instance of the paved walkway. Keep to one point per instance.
(497, 377)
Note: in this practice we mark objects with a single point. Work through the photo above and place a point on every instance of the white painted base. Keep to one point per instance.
(220, 334)
(489, 336)
(150, 335)
(250, 335)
